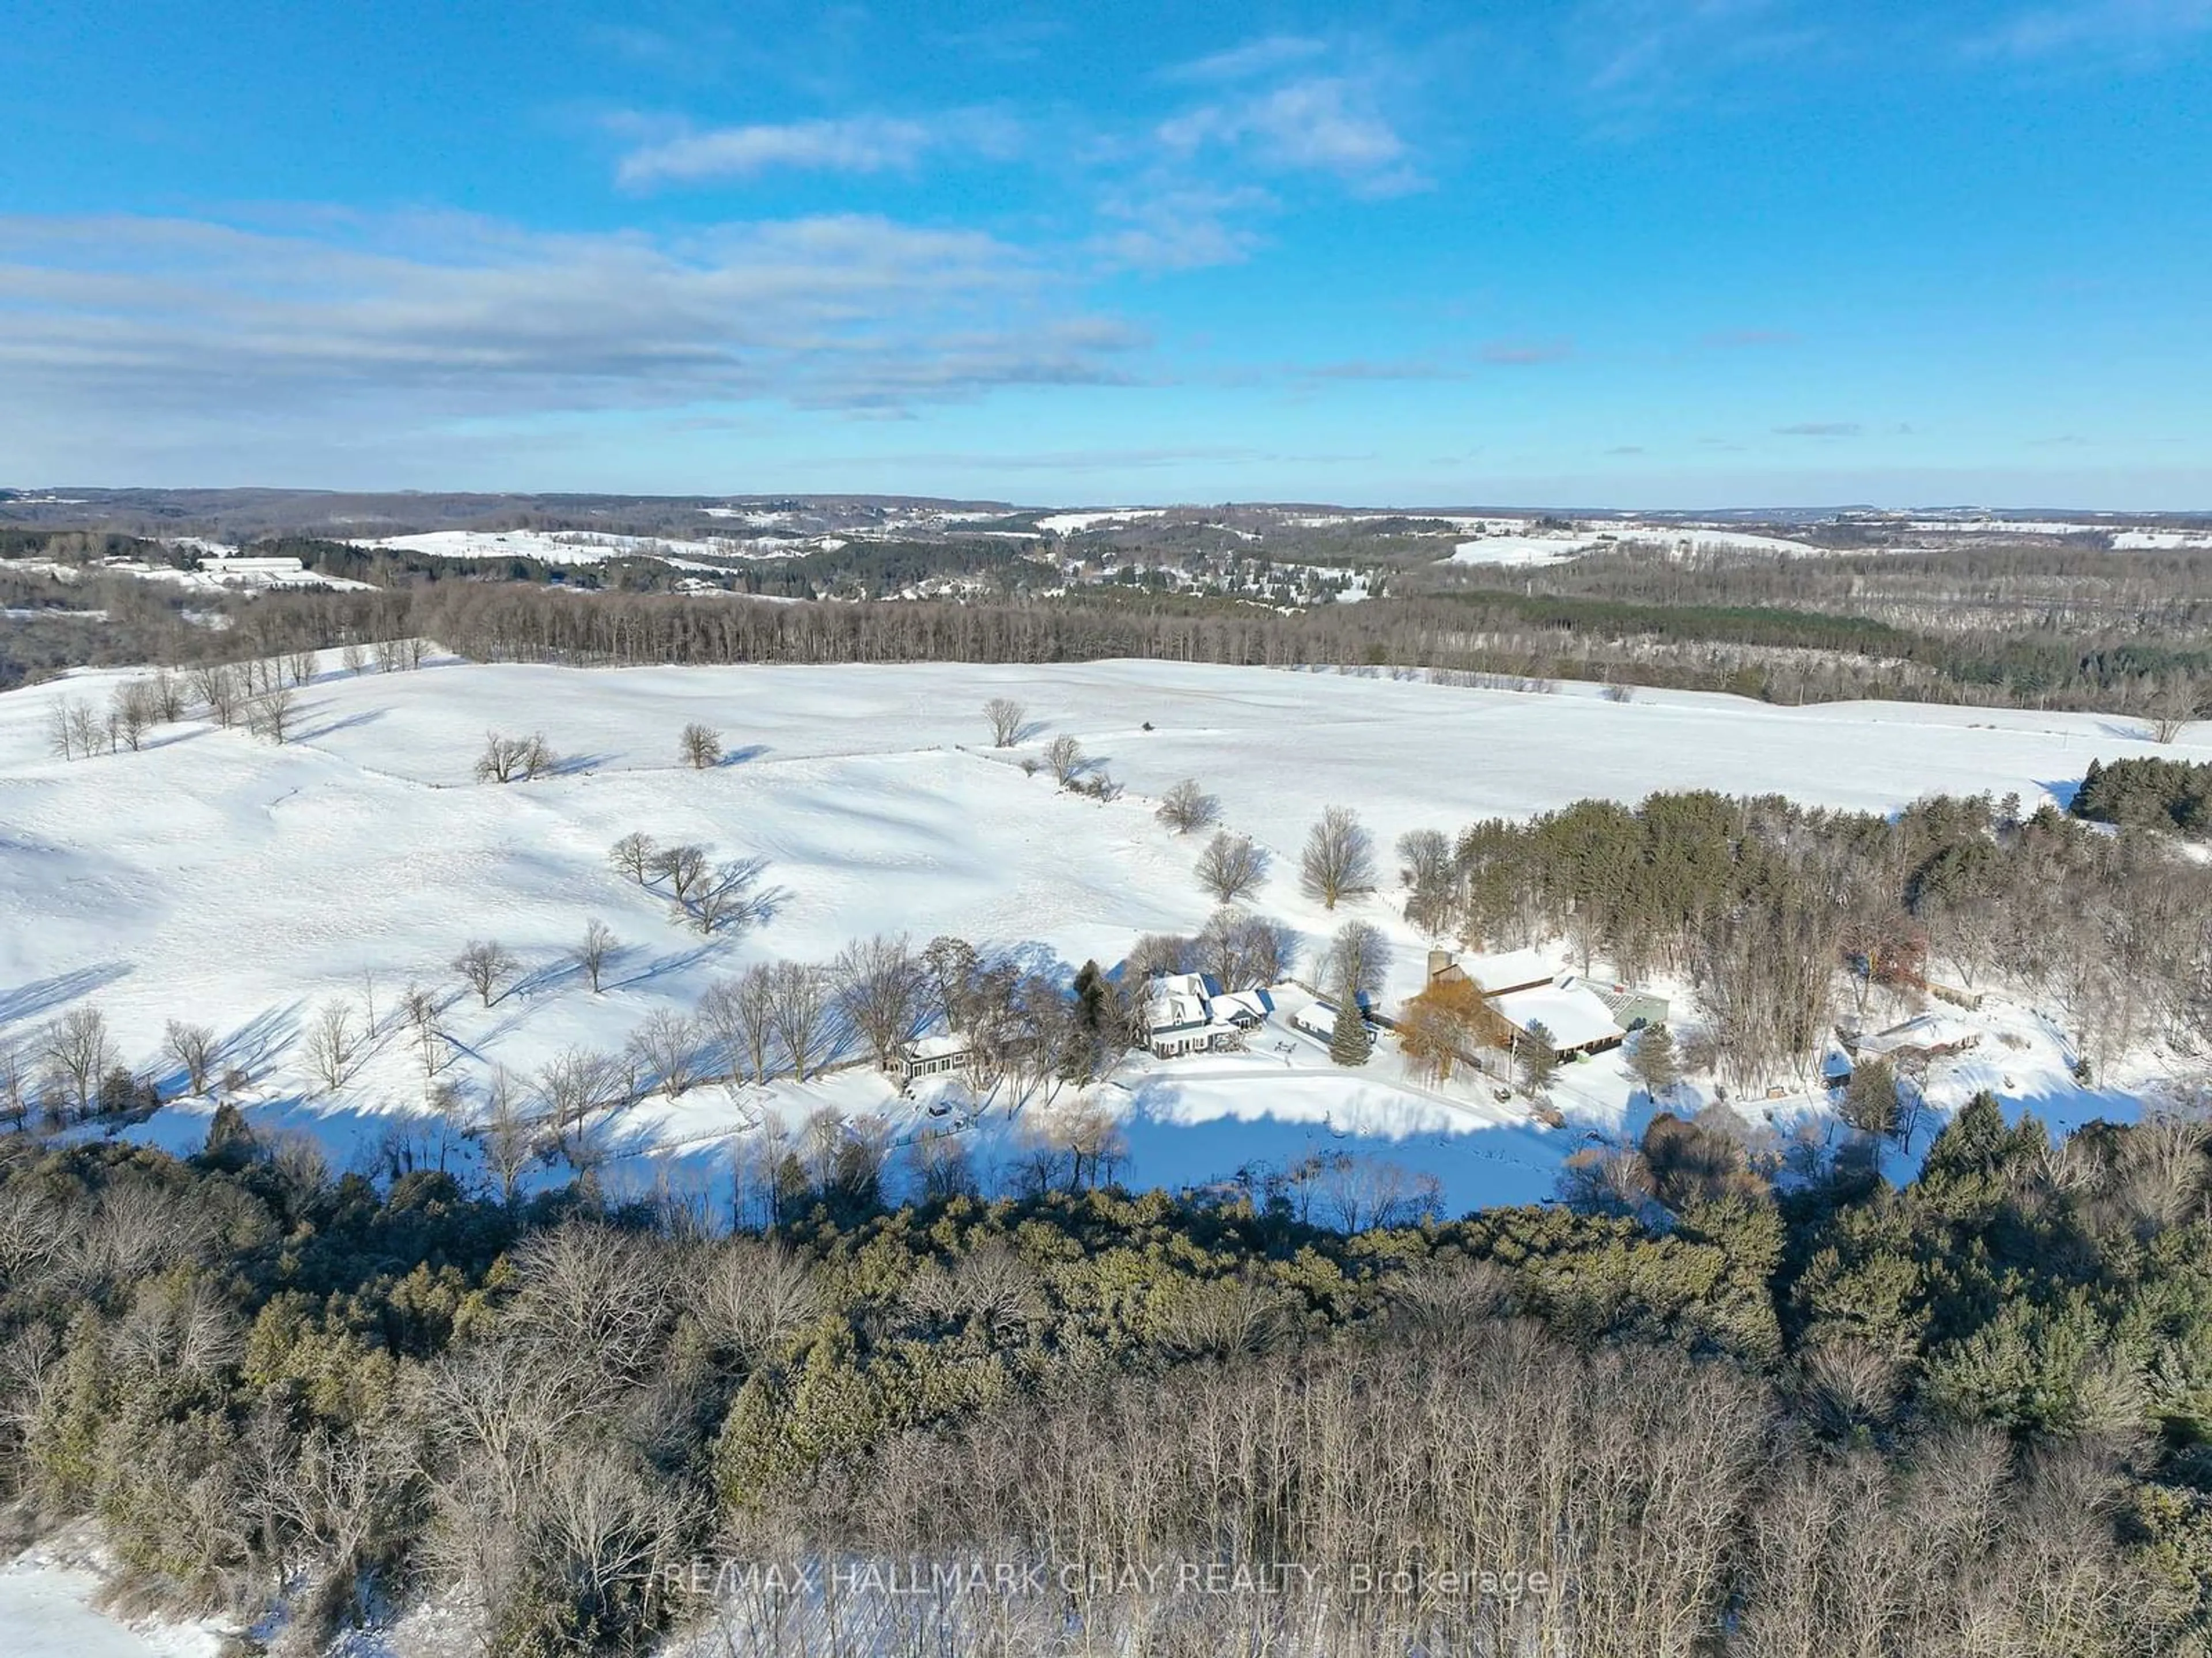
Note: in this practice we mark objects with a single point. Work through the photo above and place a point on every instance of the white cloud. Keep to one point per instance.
(1323, 124)
(2140, 31)
(1259, 56)
(1178, 228)
(1647, 52)
(110, 324)
(860, 143)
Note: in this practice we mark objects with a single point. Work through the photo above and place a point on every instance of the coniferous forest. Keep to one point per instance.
(1969, 1416)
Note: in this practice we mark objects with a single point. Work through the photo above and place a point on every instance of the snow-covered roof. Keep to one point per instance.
(1507, 969)
(1573, 1014)
(1924, 1030)
(1178, 999)
(950, 1044)
(1254, 1003)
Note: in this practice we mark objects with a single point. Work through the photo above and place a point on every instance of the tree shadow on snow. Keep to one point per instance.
(675, 961)
(366, 716)
(2063, 793)
(27, 1001)
(739, 757)
(255, 1045)
(571, 765)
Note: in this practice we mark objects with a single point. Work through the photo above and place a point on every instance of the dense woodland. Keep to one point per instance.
(1756, 901)
(2042, 626)
(1966, 1418)
(2173, 794)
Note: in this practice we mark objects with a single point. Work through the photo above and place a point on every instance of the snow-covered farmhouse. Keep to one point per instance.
(1575, 1019)
(1528, 989)
(242, 569)
(1317, 1018)
(1496, 974)
(1190, 1013)
(929, 1056)
(1931, 1035)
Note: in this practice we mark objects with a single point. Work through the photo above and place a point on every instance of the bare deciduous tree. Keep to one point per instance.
(132, 712)
(420, 1009)
(218, 685)
(741, 1013)
(484, 965)
(801, 1015)
(576, 1084)
(684, 867)
(272, 715)
(1005, 716)
(1358, 960)
(506, 1135)
(1243, 950)
(513, 759)
(78, 1054)
(1065, 759)
(1186, 807)
(333, 1045)
(880, 989)
(2173, 708)
(700, 746)
(633, 855)
(667, 1046)
(14, 1097)
(1339, 859)
(167, 697)
(1230, 866)
(595, 951)
(192, 1047)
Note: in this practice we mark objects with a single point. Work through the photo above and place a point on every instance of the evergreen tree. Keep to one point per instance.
(1348, 1040)
(1539, 1059)
(1652, 1060)
(1870, 1098)
(230, 1143)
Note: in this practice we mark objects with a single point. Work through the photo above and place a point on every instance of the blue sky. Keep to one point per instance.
(1663, 252)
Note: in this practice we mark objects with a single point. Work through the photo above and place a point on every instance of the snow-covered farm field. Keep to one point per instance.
(216, 879)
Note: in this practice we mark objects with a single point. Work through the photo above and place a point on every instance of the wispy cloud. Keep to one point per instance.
(119, 319)
(2138, 31)
(1254, 58)
(862, 143)
(1652, 52)
(1324, 124)
(1525, 353)
(1176, 228)
(1820, 428)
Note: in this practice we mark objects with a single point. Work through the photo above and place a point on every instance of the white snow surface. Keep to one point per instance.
(216, 879)
(45, 1613)
(1519, 551)
(2162, 540)
(1061, 523)
(591, 547)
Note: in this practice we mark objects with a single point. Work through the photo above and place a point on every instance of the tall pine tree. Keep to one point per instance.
(1348, 1040)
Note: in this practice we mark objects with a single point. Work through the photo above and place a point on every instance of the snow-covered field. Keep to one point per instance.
(216, 879)
(593, 547)
(1062, 524)
(2163, 541)
(1515, 552)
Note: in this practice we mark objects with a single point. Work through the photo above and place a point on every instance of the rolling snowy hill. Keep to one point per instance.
(215, 878)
